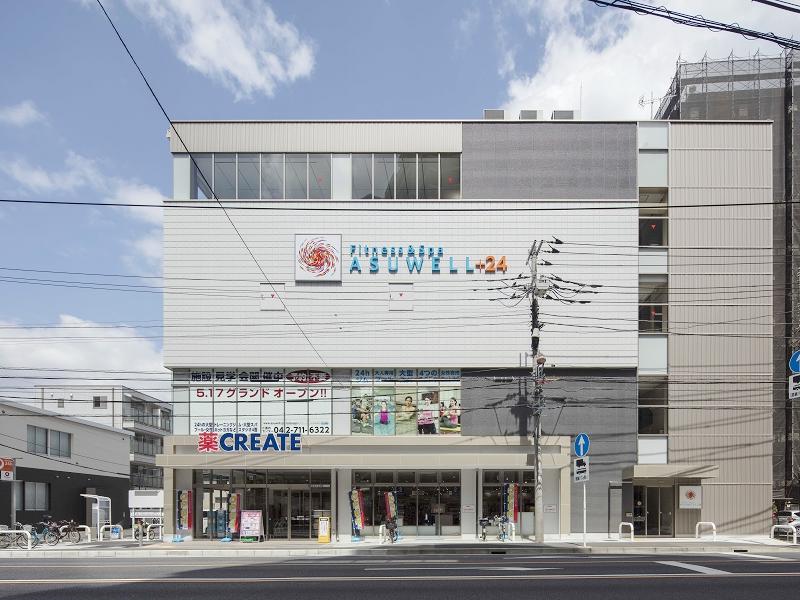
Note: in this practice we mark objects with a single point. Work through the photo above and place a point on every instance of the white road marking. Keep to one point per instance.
(697, 568)
(460, 568)
(757, 556)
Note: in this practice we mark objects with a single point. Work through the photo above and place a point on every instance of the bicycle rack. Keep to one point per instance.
(784, 528)
(85, 528)
(697, 529)
(27, 535)
(159, 525)
(625, 524)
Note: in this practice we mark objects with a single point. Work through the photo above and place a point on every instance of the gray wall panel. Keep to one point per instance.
(493, 408)
(507, 160)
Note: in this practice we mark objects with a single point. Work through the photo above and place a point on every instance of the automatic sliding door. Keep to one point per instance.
(279, 514)
(300, 511)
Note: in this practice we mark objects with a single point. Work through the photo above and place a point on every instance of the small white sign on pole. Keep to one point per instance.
(794, 387)
(580, 470)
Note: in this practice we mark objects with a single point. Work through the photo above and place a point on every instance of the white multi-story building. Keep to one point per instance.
(119, 407)
(364, 287)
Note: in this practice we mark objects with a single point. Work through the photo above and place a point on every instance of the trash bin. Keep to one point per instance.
(116, 532)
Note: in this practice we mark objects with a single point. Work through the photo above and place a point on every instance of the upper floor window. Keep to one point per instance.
(300, 176)
(60, 443)
(99, 401)
(37, 440)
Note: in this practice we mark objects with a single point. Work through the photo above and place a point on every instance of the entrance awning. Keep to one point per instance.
(671, 471)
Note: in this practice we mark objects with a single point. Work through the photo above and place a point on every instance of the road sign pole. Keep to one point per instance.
(584, 514)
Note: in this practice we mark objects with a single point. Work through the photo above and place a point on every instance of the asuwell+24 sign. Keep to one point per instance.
(318, 257)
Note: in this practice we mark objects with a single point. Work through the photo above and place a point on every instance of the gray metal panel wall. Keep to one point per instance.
(494, 408)
(720, 343)
(531, 160)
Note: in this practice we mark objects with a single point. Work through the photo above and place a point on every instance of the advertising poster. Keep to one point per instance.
(511, 501)
(185, 510)
(390, 500)
(405, 411)
(428, 412)
(361, 402)
(383, 416)
(450, 411)
(357, 510)
(234, 505)
(250, 524)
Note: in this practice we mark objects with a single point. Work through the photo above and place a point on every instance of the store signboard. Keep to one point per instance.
(690, 496)
(250, 526)
(7, 469)
(416, 257)
(211, 441)
(317, 257)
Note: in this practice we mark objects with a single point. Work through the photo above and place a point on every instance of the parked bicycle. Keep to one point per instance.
(9, 537)
(392, 533)
(55, 534)
(485, 522)
(151, 535)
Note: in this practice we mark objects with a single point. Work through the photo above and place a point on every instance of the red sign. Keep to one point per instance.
(308, 376)
(6, 469)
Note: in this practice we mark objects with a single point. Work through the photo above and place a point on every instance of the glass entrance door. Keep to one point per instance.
(653, 510)
(278, 514)
(300, 511)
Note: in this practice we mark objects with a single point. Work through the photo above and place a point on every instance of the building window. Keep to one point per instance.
(60, 443)
(37, 440)
(60, 403)
(201, 177)
(450, 176)
(272, 176)
(319, 176)
(297, 176)
(166, 421)
(406, 176)
(99, 401)
(384, 176)
(225, 176)
(652, 232)
(248, 176)
(37, 496)
(341, 177)
(429, 176)
(653, 411)
(362, 176)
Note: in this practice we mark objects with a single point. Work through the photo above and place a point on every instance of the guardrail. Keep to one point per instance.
(785, 527)
(625, 524)
(707, 523)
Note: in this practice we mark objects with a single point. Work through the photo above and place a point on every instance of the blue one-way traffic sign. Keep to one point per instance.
(794, 362)
(581, 445)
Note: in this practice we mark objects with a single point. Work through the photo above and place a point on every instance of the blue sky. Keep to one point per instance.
(77, 123)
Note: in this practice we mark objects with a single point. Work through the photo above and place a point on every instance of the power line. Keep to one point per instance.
(698, 21)
(783, 5)
(194, 162)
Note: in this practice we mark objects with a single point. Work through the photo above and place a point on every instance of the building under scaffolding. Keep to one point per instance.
(757, 88)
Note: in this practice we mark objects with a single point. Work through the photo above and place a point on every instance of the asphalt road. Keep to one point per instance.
(441, 576)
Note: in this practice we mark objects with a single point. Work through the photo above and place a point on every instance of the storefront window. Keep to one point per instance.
(361, 401)
(383, 411)
(406, 476)
(384, 477)
(362, 176)
(428, 411)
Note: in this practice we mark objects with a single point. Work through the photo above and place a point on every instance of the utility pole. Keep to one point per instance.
(537, 373)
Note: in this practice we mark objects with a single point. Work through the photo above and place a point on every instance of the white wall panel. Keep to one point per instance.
(319, 136)
(458, 320)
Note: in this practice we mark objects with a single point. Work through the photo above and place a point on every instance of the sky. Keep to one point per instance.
(77, 122)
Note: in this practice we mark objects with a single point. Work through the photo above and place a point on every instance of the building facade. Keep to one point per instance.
(762, 87)
(57, 459)
(123, 408)
(365, 287)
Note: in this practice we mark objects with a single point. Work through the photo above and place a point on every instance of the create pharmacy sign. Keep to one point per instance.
(319, 257)
(211, 441)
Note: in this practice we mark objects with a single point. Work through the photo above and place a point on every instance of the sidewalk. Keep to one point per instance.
(572, 544)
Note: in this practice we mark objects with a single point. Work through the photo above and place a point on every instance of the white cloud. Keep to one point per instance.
(82, 173)
(240, 44)
(20, 114)
(80, 345)
(467, 25)
(617, 57)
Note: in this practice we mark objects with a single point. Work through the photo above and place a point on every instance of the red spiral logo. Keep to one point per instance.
(318, 257)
